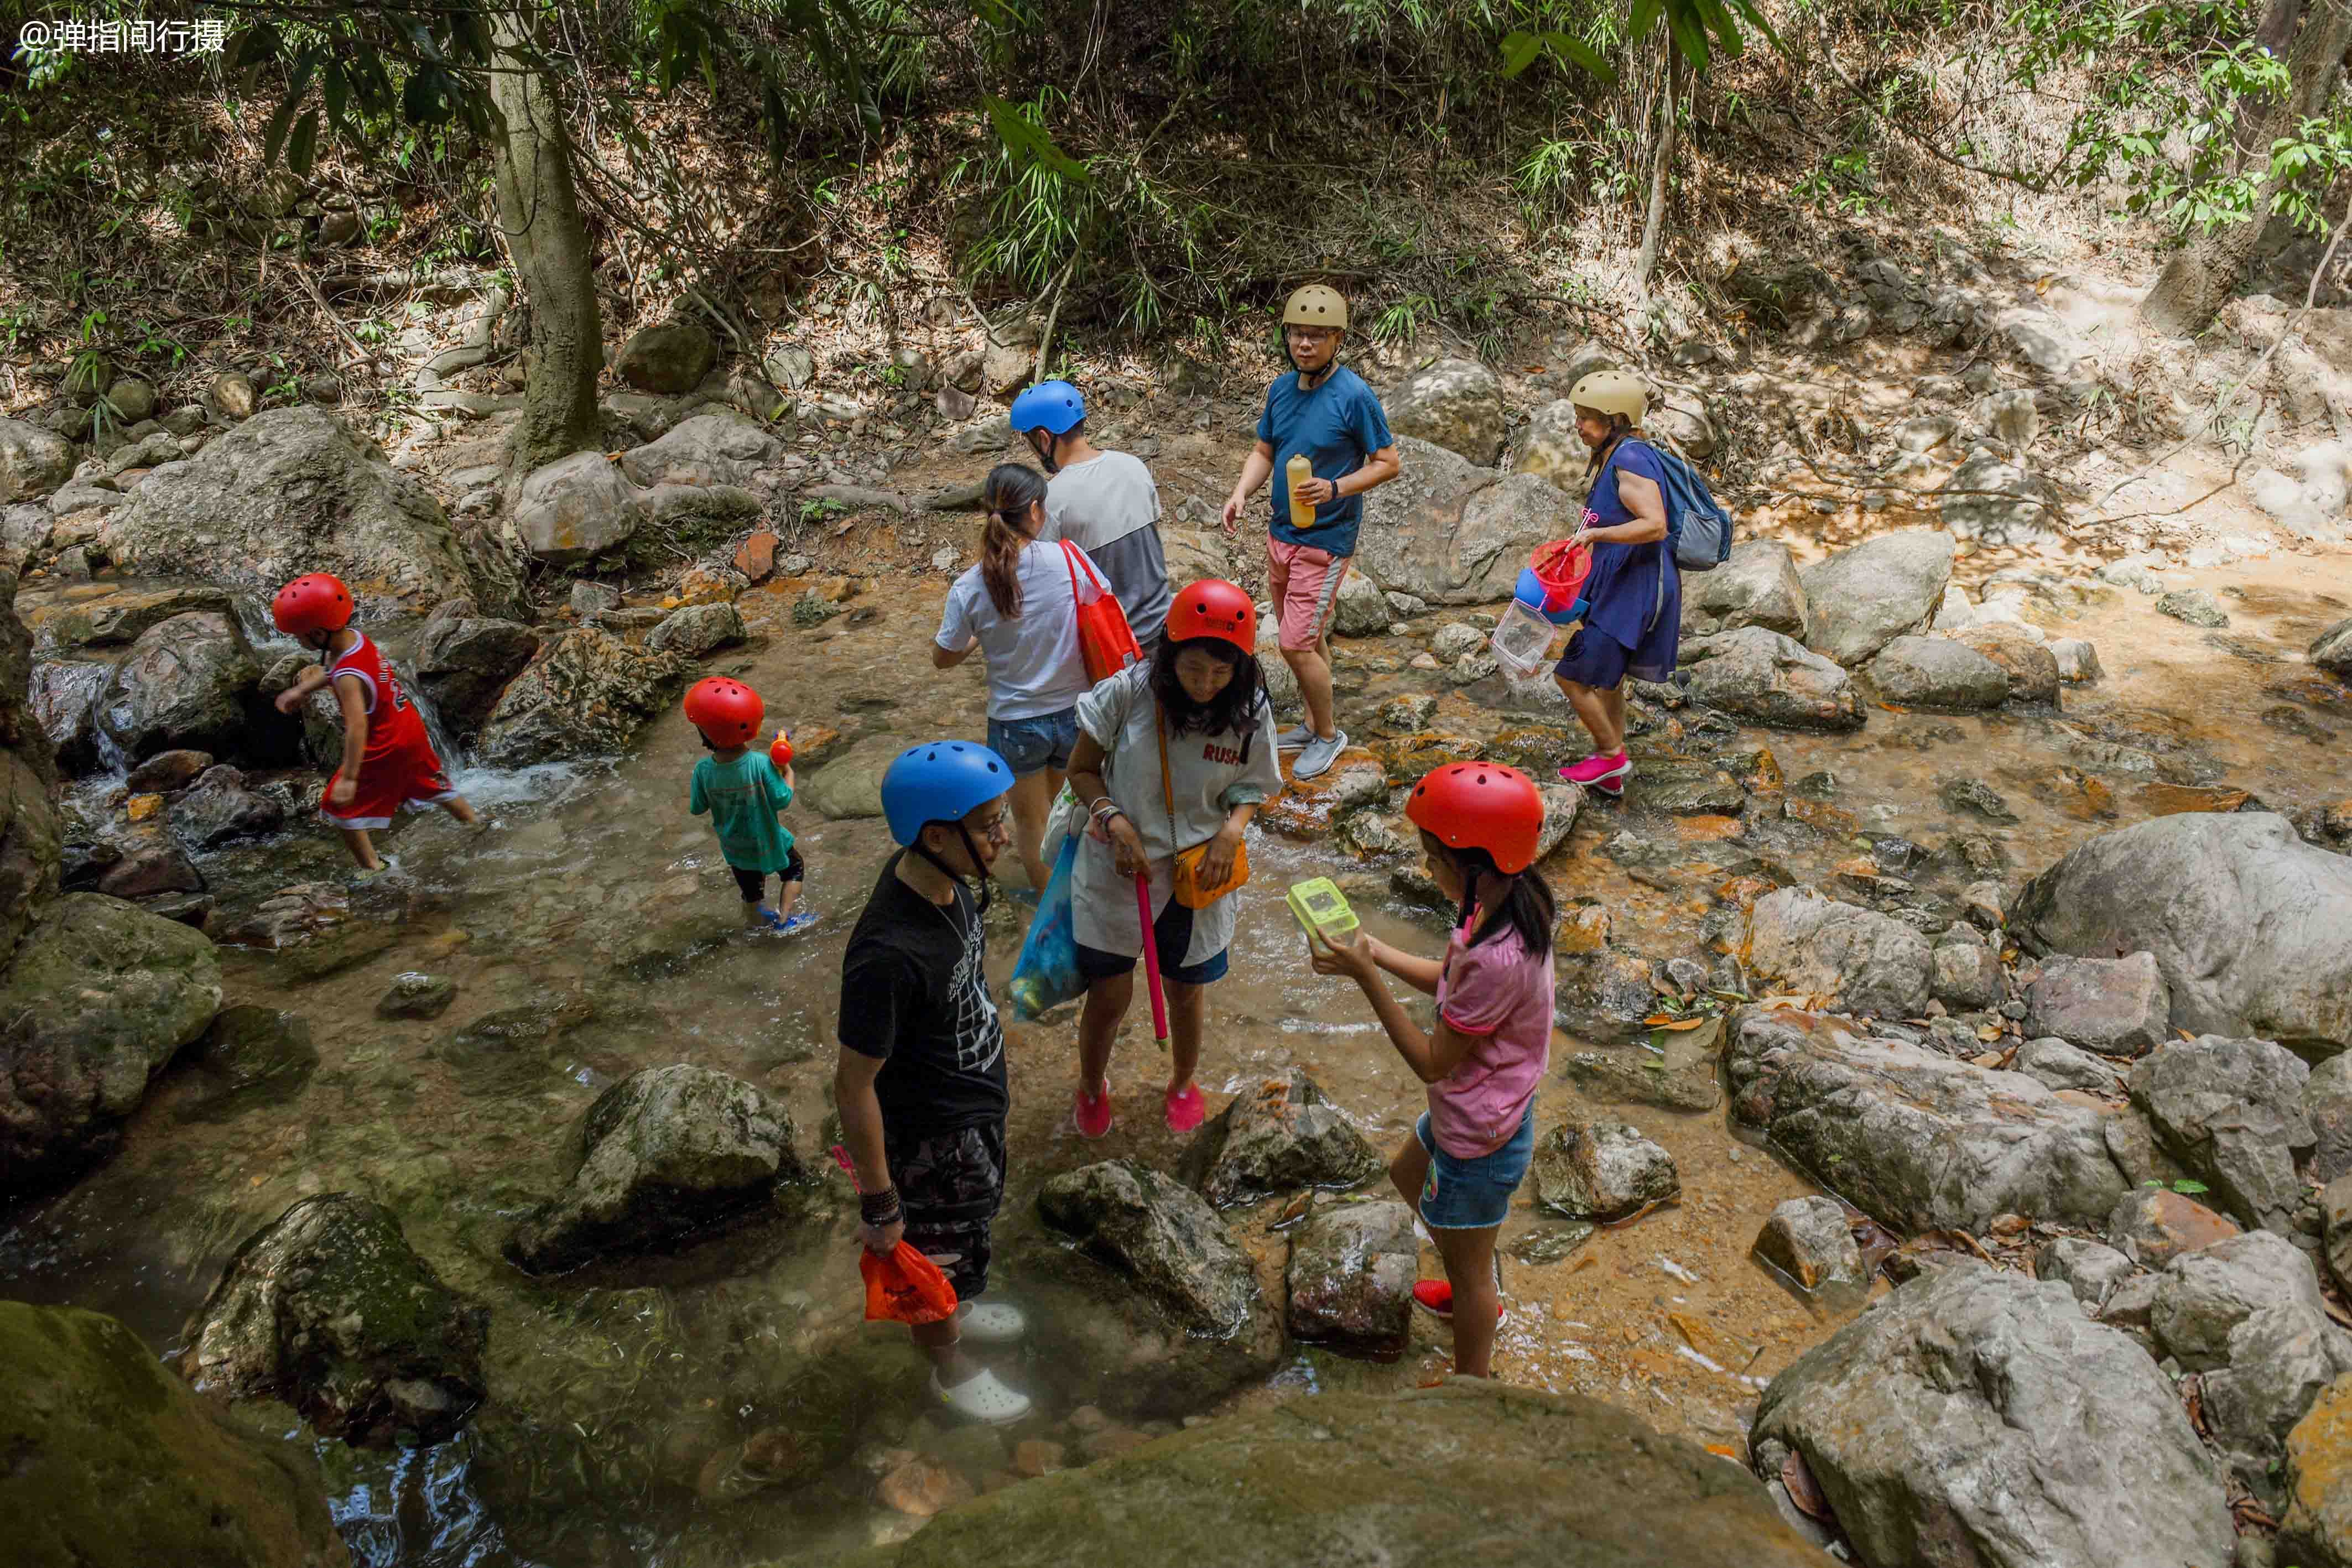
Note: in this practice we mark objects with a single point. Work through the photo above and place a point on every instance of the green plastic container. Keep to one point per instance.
(1320, 908)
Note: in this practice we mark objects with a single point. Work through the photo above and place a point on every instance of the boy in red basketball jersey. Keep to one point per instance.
(388, 758)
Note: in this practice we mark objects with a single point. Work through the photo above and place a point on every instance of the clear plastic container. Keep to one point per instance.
(1522, 640)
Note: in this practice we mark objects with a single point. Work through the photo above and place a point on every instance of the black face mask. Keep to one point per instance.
(972, 852)
(1045, 453)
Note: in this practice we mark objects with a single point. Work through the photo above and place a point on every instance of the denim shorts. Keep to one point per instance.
(1029, 744)
(1474, 1194)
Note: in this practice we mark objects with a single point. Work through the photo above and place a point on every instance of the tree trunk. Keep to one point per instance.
(539, 213)
(2205, 274)
(1669, 130)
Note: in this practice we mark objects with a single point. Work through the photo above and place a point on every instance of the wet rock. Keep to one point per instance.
(97, 997)
(1863, 598)
(2316, 1532)
(2089, 1270)
(2077, 660)
(166, 771)
(586, 693)
(1682, 1080)
(670, 357)
(184, 686)
(328, 1308)
(291, 491)
(1352, 1267)
(2154, 1225)
(1540, 1478)
(2327, 1105)
(1810, 1242)
(217, 808)
(315, 928)
(1688, 789)
(2332, 651)
(1307, 808)
(1965, 976)
(1938, 673)
(707, 449)
(2247, 1313)
(1768, 679)
(117, 1464)
(2030, 664)
(1162, 1237)
(1449, 532)
(140, 861)
(416, 996)
(2195, 606)
(1456, 640)
(1977, 1419)
(63, 698)
(921, 1489)
(1275, 1136)
(250, 1057)
(2230, 1111)
(1602, 995)
(695, 630)
(1863, 962)
(2117, 1006)
(2244, 919)
(1974, 796)
(850, 786)
(665, 1154)
(1361, 609)
(1601, 1171)
(464, 662)
(1453, 403)
(576, 507)
(33, 461)
(2054, 1065)
(1912, 1138)
(120, 618)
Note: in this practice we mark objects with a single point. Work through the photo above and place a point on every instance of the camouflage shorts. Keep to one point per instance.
(949, 1186)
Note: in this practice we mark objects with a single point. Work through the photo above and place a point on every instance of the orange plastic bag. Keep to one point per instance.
(905, 1288)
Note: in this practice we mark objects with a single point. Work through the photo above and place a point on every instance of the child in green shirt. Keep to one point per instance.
(743, 792)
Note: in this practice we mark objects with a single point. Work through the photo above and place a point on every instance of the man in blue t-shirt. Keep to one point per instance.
(1325, 413)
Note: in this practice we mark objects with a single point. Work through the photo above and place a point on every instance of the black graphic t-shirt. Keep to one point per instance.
(913, 992)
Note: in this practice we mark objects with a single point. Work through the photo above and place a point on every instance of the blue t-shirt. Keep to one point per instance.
(1337, 425)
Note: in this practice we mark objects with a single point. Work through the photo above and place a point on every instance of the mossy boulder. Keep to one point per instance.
(328, 1308)
(113, 1463)
(250, 1057)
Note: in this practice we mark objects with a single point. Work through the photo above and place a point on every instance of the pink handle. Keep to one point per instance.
(1152, 959)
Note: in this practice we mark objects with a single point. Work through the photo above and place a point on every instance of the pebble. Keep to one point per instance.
(921, 1489)
(1037, 1456)
(1087, 1419)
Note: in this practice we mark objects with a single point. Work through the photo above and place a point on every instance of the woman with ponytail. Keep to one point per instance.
(1480, 824)
(1018, 607)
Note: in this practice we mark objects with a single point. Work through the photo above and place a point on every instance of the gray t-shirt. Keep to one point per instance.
(1034, 664)
(1110, 507)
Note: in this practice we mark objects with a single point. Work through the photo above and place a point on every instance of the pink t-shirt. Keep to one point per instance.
(1501, 992)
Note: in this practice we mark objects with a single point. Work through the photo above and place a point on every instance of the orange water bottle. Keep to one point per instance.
(1298, 471)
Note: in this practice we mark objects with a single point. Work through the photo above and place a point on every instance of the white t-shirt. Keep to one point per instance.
(1110, 507)
(1034, 664)
(1208, 776)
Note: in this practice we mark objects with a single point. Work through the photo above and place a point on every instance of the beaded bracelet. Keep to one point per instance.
(879, 1209)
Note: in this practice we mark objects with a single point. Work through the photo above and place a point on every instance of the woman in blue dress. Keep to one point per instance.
(1633, 596)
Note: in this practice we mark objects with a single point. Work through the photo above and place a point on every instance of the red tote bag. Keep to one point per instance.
(1104, 640)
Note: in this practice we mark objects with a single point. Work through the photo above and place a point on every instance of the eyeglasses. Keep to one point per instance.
(1311, 334)
(998, 829)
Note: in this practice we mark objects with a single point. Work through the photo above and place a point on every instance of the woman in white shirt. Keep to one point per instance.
(1173, 753)
(1019, 606)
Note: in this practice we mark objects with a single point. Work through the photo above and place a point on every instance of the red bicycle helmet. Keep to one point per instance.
(726, 712)
(1481, 805)
(1214, 608)
(317, 603)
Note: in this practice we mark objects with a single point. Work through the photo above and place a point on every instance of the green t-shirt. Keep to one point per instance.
(743, 797)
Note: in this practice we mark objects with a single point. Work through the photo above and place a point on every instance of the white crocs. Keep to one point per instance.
(990, 1322)
(983, 1398)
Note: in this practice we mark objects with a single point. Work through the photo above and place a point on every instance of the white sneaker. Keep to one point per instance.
(1319, 755)
(983, 1398)
(990, 1322)
(1291, 739)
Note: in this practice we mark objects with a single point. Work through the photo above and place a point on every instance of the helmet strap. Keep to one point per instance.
(972, 852)
(1049, 453)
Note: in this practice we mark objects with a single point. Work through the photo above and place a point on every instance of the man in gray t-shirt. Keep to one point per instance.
(1104, 502)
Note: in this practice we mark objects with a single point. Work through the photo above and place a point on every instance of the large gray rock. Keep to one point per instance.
(64, 702)
(1601, 1171)
(291, 491)
(2247, 1313)
(2327, 1105)
(2039, 339)
(2089, 1268)
(1757, 586)
(2118, 1006)
(850, 785)
(1278, 1134)
(1912, 1138)
(120, 618)
(1471, 1471)
(186, 685)
(2333, 650)
(115, 1463)
(1361, 609)
(692, 630)
(1977, 1419)
(1864, 962)
(708, 449)
(464, 662)
(1998, 503)
(33, 461)
(2054, 1065)
(1770, 679)
(2230, 1111)
(670, 357)
(328, 1308)
(2248, 923)
(2029, 663)
(665, 1154)
(1453, 403)
(1449, 532)
(1938, 673)
(99, 995)
(1863, 598)
(250, 1057)
(1352, 1268)
(586, 693)
(1162, 1236)
(1549, 449)
(575, 507)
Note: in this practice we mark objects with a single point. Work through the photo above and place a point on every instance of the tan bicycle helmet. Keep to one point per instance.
(1612, 392)
(1317, 305)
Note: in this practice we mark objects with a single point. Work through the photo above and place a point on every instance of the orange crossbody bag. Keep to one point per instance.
(1190, 891)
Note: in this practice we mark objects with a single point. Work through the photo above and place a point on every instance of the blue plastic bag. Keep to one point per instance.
(1048, 975)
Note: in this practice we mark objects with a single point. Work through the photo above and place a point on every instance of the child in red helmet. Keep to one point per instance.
(743, 792)
(388, 758)
(1480, 824)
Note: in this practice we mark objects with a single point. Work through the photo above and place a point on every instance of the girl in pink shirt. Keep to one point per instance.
(1479, 826)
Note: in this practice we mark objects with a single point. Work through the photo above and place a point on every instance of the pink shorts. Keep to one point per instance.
(1304, 582)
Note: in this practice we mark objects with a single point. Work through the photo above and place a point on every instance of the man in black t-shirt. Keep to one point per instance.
(921, 1081)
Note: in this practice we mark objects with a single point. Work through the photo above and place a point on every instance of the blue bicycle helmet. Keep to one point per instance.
(1054, 407)
(938, 781)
